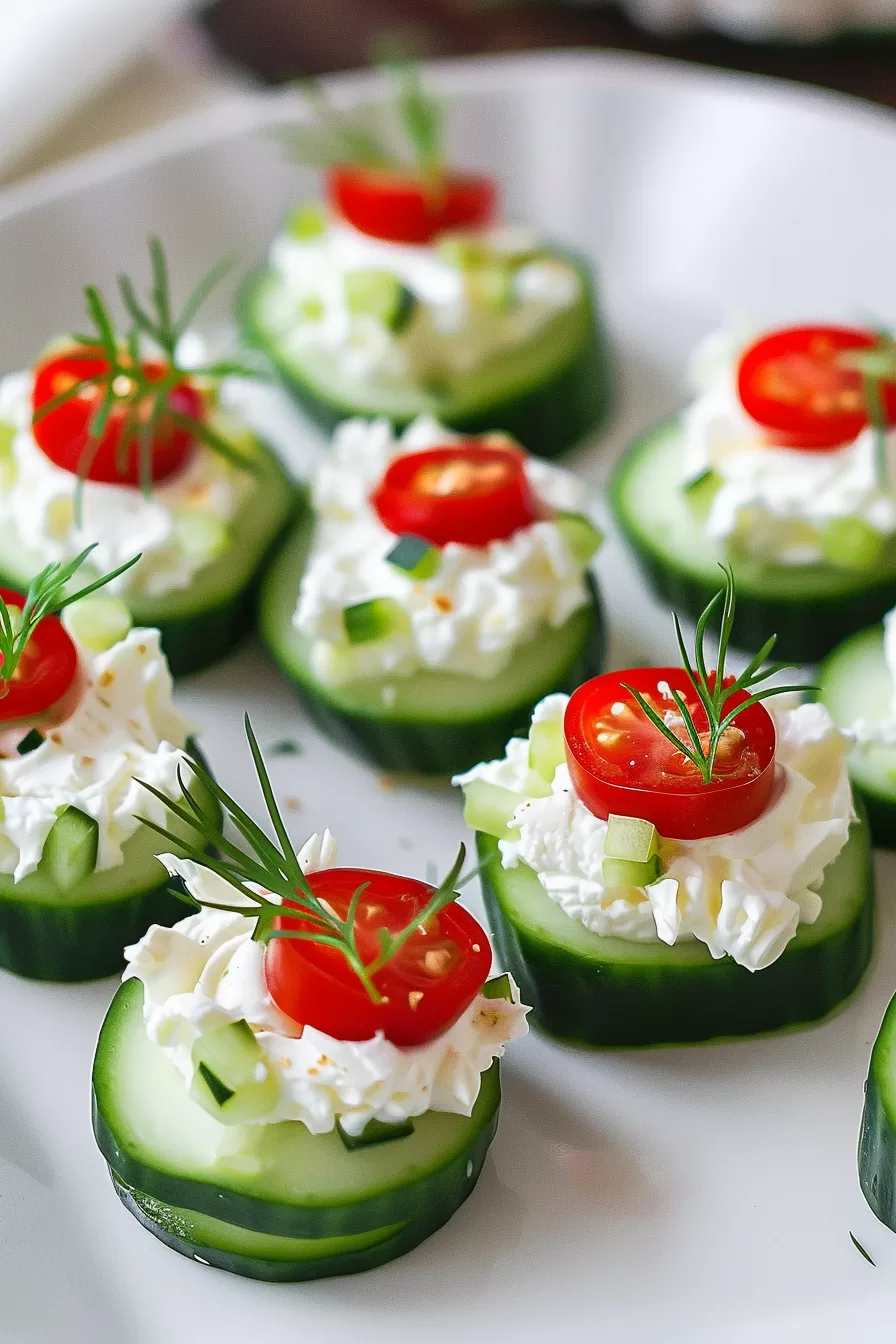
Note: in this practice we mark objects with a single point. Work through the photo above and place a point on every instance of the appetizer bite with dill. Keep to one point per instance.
(85, 709)
(406, 296)
(673, 855)
(782, 466)
(115, 438)
(436, 590)
(301, 1078)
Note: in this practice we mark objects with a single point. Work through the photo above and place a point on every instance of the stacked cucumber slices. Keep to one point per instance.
(213, 1164)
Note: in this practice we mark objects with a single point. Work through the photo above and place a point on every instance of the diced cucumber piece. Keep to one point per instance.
(232, 1081)
(498, 988)
(630, 838)
(97, 622)
(547, 747)
(491, 287)
(311, 308)
(851, 543)
(7, 461)
(202, 535)
(701, 491)
(489, 807)
(30, 742)
(630, 873)
(381, 295)
(375, 1131)
(306, 222)
(462, 250)
(378, 618)
(70, 849)
(581, 535)
(417, 558)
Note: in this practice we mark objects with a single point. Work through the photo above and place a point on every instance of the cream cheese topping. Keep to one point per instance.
(125, 729)
(37, 506)
(742, 894)
(450, 332)
(773, 502)
(207, 971)
(476, 609)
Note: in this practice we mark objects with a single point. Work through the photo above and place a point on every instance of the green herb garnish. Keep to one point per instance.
(877, 366)
(46, 596)
(715, 689)
(125, 387)
(275, 867)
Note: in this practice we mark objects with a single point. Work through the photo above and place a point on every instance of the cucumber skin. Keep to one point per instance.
(805, 632)
(548, 419)
(716, 1001)
(440, 748)
(70, 942)
(303, 1271)
(877, 1137)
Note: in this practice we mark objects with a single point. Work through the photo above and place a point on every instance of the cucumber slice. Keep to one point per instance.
(381, 295)
(415, 557)
(52, 931)
(97, 622)
(375, 1131)
(435, 723)
(70, 850)
(378, 618)
(810, 607)
(854, 682)
(202, 622)
(259, 1255)
(877, 1139)
(547, 393)
(274, 1179)
(580, 534)
(608, 992)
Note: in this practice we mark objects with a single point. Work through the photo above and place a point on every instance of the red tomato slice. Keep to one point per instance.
(792, 384)
(470, 492)
(620, 762)
(62, 434)
(425, 987)
(402, 209)
(48, 682)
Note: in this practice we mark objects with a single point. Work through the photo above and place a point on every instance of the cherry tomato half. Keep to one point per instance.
(62, 434)
(403, 209)
(620, 762)
(48, 682)
(471, 492)
(792, 384)
(425, 987)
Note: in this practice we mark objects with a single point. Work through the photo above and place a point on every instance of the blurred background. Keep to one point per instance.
(78, 74)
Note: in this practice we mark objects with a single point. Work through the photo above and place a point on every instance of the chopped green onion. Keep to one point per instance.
(97, 622)
(306, 222)
(417, 558)
(851, 543)
(581, 536)
(378, 618)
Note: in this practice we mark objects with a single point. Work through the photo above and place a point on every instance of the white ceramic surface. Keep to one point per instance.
(701, 1196)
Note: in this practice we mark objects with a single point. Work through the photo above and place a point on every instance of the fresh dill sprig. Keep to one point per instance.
(125, 387)
(336, 137)
(46, 596)
(275, 867)
(714, 689)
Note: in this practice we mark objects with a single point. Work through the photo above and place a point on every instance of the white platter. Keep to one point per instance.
(701, 1196)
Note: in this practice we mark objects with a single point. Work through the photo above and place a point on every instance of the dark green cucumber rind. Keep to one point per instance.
(47, 933)
(610, 994)
(854, 681)
(572, 401)
(809, 608)
(201, 623)
(877, 1138)
(445, 740)
(303, 1270)
(241, 1199)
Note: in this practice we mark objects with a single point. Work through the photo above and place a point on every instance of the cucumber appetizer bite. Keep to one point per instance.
(116, 438)
(857, 684)
(85, 709)
(782, 466)
(665, 860)
(404, 295)
(300, 1079)
(438, 590)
